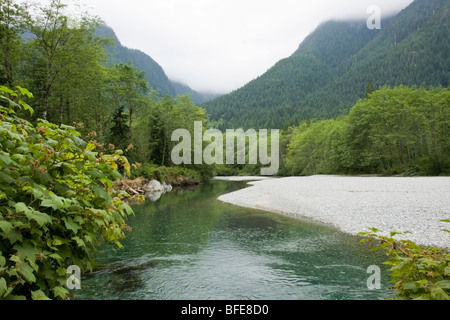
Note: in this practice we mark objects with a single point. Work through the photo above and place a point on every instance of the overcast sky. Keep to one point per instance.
(220, 45)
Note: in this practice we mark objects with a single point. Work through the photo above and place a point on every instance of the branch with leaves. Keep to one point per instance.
(57, 201)
(418, 273)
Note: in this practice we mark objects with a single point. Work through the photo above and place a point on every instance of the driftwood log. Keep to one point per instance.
(133, 187)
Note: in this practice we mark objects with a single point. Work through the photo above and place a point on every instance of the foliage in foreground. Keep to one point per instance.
(57, 201)
(418, 273)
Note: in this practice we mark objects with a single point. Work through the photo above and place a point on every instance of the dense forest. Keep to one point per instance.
(77, 78)
(332, 67)
(397, 130)
(392, 131)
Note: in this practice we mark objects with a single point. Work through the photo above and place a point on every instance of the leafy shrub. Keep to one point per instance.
(419, 273)
(177, 176)
(145, 170)
(57, 201)
(170, 175)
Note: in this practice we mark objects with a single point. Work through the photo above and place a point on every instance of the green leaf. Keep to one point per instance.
(102, 194)
(6, 179)
(48, 203)
(393, 234)
(71, 225)
(89, 239)
(439, 294)
(3, 286)
(26, 107)
(75, 208)
(27, 250)
(2, 261)
(54, 202)
(37, 191)
(60, 292)
(8, 90)
(21, 208)
(420, 296)
(116, 174)
(55, 256)
(6, 226)
(423, 283)
(409, 286)
(26, 271)
(447, 271)
(444, 284)
(39, 295)
(57, 241)
(14, 236)
(79, 242)
(25, 92)
(5, 159)
(19, 158)
(96, 174)
(127, 209)
(40, 217)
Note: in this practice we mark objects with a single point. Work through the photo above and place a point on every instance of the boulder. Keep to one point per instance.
(153, 196)
(154, 186)
(155, 189)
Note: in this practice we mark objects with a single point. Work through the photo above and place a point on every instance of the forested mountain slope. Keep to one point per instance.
(118, 53)
(154, 73)
(333, 65)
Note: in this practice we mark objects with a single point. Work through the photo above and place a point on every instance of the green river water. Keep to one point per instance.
(190, 246)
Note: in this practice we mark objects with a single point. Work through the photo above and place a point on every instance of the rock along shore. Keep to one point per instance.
(152, 190)
(354, 204)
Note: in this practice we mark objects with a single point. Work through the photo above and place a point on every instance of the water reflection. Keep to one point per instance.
(188, 245)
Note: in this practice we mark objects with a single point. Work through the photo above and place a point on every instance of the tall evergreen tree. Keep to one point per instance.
(369, 89)
(120, 131)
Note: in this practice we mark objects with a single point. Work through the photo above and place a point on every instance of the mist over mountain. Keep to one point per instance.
(332, 67)
(154, 73)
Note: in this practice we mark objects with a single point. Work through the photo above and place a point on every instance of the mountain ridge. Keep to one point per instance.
(331, 68)
(154, 73)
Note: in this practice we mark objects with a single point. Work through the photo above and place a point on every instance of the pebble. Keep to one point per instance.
(354, 204)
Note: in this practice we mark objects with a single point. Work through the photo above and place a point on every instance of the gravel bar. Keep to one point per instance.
(354, 204)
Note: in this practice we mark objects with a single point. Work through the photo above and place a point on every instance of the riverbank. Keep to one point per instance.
(354, 204)
(152, 189)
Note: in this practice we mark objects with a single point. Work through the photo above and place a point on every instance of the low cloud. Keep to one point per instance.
(220, 45)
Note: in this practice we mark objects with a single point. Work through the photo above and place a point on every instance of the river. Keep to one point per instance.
(190, 246)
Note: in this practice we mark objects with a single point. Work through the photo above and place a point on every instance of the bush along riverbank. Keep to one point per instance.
(57, 203)
(417, 272)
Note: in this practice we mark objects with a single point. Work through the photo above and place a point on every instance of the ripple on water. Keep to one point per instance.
(223, 252)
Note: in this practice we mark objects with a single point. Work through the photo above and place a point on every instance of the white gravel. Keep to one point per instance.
(354, 204)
